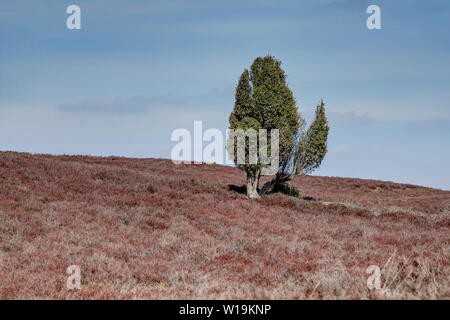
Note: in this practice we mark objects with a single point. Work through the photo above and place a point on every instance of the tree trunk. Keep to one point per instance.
(279, 179)
(252, 184)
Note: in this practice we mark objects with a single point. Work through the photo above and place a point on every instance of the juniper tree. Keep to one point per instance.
(313, 148)
(263, 101)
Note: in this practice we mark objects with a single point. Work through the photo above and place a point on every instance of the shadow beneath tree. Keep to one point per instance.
(283, 190)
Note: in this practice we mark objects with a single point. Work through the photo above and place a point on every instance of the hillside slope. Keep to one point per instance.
(146, 228)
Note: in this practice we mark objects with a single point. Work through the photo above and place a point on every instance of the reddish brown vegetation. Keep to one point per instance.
(146, 228)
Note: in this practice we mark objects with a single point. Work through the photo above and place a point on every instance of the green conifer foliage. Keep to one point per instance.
(263, 100)
(314, 146)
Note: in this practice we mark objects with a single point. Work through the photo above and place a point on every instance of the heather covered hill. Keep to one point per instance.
(146, 228)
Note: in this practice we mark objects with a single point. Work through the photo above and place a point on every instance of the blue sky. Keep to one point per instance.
(137, 70)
